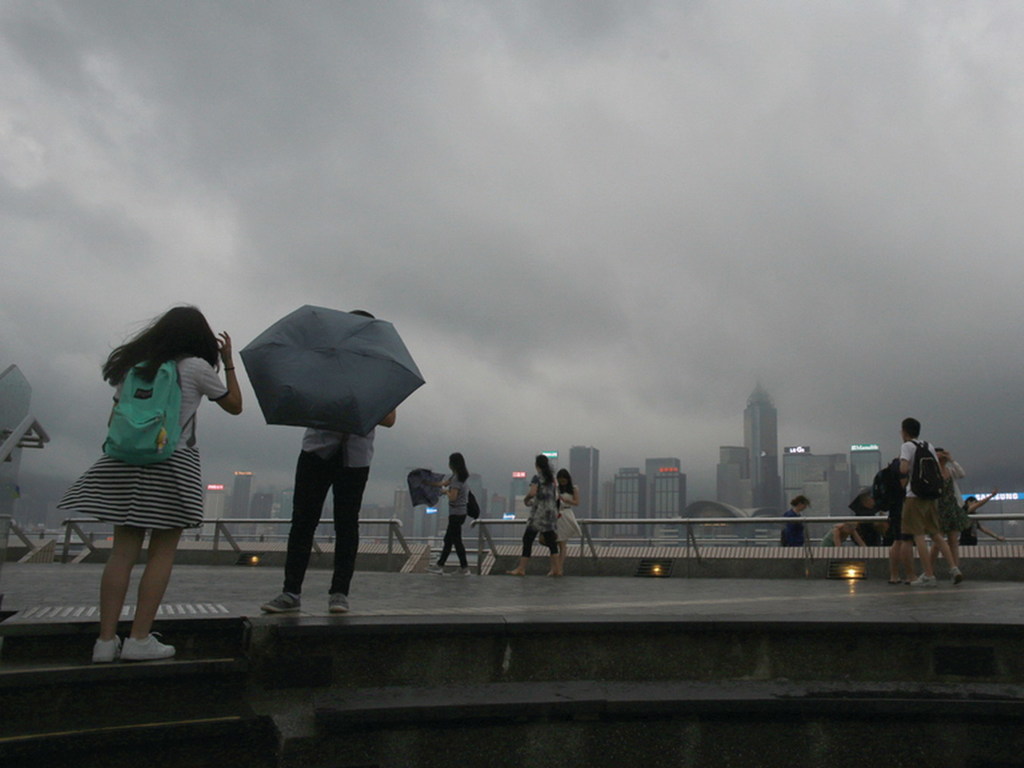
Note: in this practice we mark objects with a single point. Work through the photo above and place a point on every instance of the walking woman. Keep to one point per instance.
(542, 499)
(567, 527)
(952, 515)
(458, 498)
(164, 497)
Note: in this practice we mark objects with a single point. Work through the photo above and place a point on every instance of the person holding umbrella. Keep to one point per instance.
(457, 489)
(339, 462)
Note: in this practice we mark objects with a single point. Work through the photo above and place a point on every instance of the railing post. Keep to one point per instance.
(479, 546)
(67, 542)
(691, 541)
(585, 535)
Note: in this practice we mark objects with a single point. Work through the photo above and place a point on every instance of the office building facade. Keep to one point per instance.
(584, 463)
(761, 439)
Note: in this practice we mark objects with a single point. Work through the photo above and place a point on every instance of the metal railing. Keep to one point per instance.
(73, 528)
(690, 542)
(692, 547)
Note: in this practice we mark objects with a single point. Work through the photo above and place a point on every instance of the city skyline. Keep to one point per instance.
(593, 224)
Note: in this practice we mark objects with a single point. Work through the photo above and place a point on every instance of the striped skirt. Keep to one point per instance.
(165, 495)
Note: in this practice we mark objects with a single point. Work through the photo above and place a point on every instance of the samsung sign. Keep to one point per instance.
(797, 449)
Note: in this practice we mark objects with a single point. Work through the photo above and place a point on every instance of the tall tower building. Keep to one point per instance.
(865, 461)
(761, 439)
(734, 476)
(583, 466)
(825, 479)
(630, 498)
(665, 472)
(240, 494)
(214, 502)
(517, 492)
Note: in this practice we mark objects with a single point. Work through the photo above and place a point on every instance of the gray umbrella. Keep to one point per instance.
(329, 369)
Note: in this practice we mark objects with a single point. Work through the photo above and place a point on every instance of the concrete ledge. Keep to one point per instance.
(526, 702)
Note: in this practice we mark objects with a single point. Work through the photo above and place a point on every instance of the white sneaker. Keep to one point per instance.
(465, 572)
(145, 650)
(106, 651)
(925, 581)
(955, 576)
(435, 569)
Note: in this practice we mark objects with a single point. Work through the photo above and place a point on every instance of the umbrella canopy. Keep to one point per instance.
(329, 369)
(419, 491)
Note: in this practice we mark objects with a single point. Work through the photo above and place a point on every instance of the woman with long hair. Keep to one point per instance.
(457, 489)
(164, 497)
(542, 499)
(566, 527)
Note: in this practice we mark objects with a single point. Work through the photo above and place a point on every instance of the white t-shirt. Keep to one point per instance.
(358, 449)
(907, 452)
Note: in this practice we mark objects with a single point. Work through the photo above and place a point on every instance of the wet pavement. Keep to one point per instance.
(241, 589)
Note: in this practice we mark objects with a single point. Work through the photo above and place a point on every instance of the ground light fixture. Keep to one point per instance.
(654, 568)
(250, 559)
(847, 569)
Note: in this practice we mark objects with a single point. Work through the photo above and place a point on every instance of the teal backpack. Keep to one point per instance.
(145, 425)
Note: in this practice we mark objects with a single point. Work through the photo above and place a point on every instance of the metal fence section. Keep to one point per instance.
(495, 538)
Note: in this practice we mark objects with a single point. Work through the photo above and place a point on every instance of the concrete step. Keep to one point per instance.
(65, 634)
(614, 724)
(430, 706)
(162, 712)
(198, 742)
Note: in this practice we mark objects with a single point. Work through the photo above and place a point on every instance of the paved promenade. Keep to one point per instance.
(241, 590)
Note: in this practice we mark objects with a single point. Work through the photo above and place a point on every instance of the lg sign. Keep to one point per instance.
(798, 449)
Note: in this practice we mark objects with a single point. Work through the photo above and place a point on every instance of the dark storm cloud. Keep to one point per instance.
(596, 223)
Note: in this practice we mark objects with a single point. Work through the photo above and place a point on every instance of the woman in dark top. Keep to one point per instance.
(542, 499)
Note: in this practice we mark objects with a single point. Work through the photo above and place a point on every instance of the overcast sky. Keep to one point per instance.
(593, 223)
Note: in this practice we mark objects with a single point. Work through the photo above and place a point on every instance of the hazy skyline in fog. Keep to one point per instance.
(595, 223)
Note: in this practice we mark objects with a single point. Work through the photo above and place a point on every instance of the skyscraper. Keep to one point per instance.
(214, 502)
(516, 492)
(240, 494)
(630, 498)
(761, 438)
(865, 461)
(583, 466)
(824, 479)
(666, 488)
(734, 476)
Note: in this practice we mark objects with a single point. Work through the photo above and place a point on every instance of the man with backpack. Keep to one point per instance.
(921, 474)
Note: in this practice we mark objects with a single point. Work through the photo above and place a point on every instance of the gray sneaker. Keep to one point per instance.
(465, 572)
(955, 576)
(338, 603)
(435, 569)
(283, 603)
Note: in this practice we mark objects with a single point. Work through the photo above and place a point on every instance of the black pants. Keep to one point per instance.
(453, 538)
(549, 539)
(313, 478)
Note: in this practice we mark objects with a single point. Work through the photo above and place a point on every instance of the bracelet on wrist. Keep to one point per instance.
(229, 369)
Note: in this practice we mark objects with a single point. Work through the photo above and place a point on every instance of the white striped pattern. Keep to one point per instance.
(54, 612)
(165, 495)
